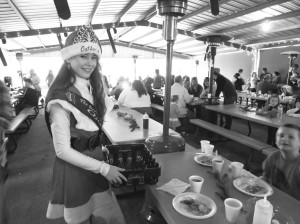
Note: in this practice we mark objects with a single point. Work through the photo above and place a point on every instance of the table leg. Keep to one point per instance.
(249, 127)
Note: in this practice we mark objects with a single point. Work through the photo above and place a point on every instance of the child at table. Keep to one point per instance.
(174, 113)
(282, 168)
(270, 109)
(295, 112)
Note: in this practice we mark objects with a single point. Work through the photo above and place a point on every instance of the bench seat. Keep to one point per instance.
(15, 127)
(235, 136)
(161, 108)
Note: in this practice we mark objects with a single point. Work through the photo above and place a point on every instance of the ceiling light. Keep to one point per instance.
(266, 26)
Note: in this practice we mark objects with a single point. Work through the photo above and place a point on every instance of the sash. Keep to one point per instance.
(83, 105)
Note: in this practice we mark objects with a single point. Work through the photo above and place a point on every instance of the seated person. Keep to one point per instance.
(136, 97)
(295, 112)
(184, 97)
(121, 85)
(148, 85)
(195, 89)
(30, 98)
(282, 168)
(270, 109)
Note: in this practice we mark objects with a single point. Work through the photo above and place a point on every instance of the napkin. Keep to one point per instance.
(174, 187)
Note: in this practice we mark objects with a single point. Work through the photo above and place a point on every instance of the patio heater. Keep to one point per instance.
(213, 41)
(164, 143)
(292, 56)
(19, 57)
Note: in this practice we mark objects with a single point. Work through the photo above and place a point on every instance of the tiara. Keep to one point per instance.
(86, 34)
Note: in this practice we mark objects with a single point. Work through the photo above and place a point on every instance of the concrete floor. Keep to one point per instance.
(27, 189)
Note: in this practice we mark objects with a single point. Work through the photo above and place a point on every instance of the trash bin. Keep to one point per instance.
(8, 81)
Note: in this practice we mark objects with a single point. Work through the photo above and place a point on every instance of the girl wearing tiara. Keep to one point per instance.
(75, 108)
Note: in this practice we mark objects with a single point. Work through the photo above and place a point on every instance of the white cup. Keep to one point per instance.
(237, 168)
(196, 183)
(232, 209)
(208, 149)
(203, 143)
(209, 95)
(217, 163)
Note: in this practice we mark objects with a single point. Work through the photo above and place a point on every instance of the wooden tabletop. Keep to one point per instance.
(235, 111)
(117, 128)
(261, 97)
(181, 165)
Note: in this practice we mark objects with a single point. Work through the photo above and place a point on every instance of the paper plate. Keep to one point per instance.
(200, 199)
(203, 159)
(253, 186)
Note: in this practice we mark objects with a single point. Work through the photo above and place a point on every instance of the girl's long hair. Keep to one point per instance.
(139, 87)
(65, 79)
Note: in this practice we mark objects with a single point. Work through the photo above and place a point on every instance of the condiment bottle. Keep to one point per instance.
(145, 121)
(263, 212)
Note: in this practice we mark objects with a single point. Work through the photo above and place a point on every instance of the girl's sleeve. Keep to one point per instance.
(122, 97)
(60, 128)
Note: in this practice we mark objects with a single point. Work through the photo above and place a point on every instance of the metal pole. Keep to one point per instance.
(166, 121)
(213, 51)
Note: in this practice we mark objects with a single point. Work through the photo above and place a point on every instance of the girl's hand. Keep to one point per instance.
(114, 175)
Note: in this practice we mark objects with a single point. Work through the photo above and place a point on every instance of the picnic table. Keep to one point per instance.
(236, 110)
(181, 165)
(117, 128)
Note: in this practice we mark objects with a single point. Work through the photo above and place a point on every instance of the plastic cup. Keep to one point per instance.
(203, 143)
(217, 163)
(209, 95)
(232, 209)
(208, 149)
(196, 183)
(237, 168)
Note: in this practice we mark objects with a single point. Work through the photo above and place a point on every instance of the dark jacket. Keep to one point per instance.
(226, 86)
(265, 87)
(195, 91)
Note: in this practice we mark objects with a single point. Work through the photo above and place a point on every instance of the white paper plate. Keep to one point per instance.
(198, 158)
(182, 208)
(242, 183)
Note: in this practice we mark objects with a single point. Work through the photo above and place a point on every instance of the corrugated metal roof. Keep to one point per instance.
(239, 18)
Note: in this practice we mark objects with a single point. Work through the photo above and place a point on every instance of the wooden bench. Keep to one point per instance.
(161, 108)
(262, 147)
(15, 125)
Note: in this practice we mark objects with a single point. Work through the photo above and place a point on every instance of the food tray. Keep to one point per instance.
(140, 166)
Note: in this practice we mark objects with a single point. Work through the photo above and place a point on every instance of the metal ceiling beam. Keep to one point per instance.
(155, 41)
(143, 36)
(280, 45)
(273, 30)
(126, 9)
(18, 43)
(22, 17)
(201, 10)
(95, 9)
(106, 42)
(104, 26)
(15, 8)
(274, 39)
(259, 22)
(148, 15)
(182, 42)
(188, 47)
(239, 14)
